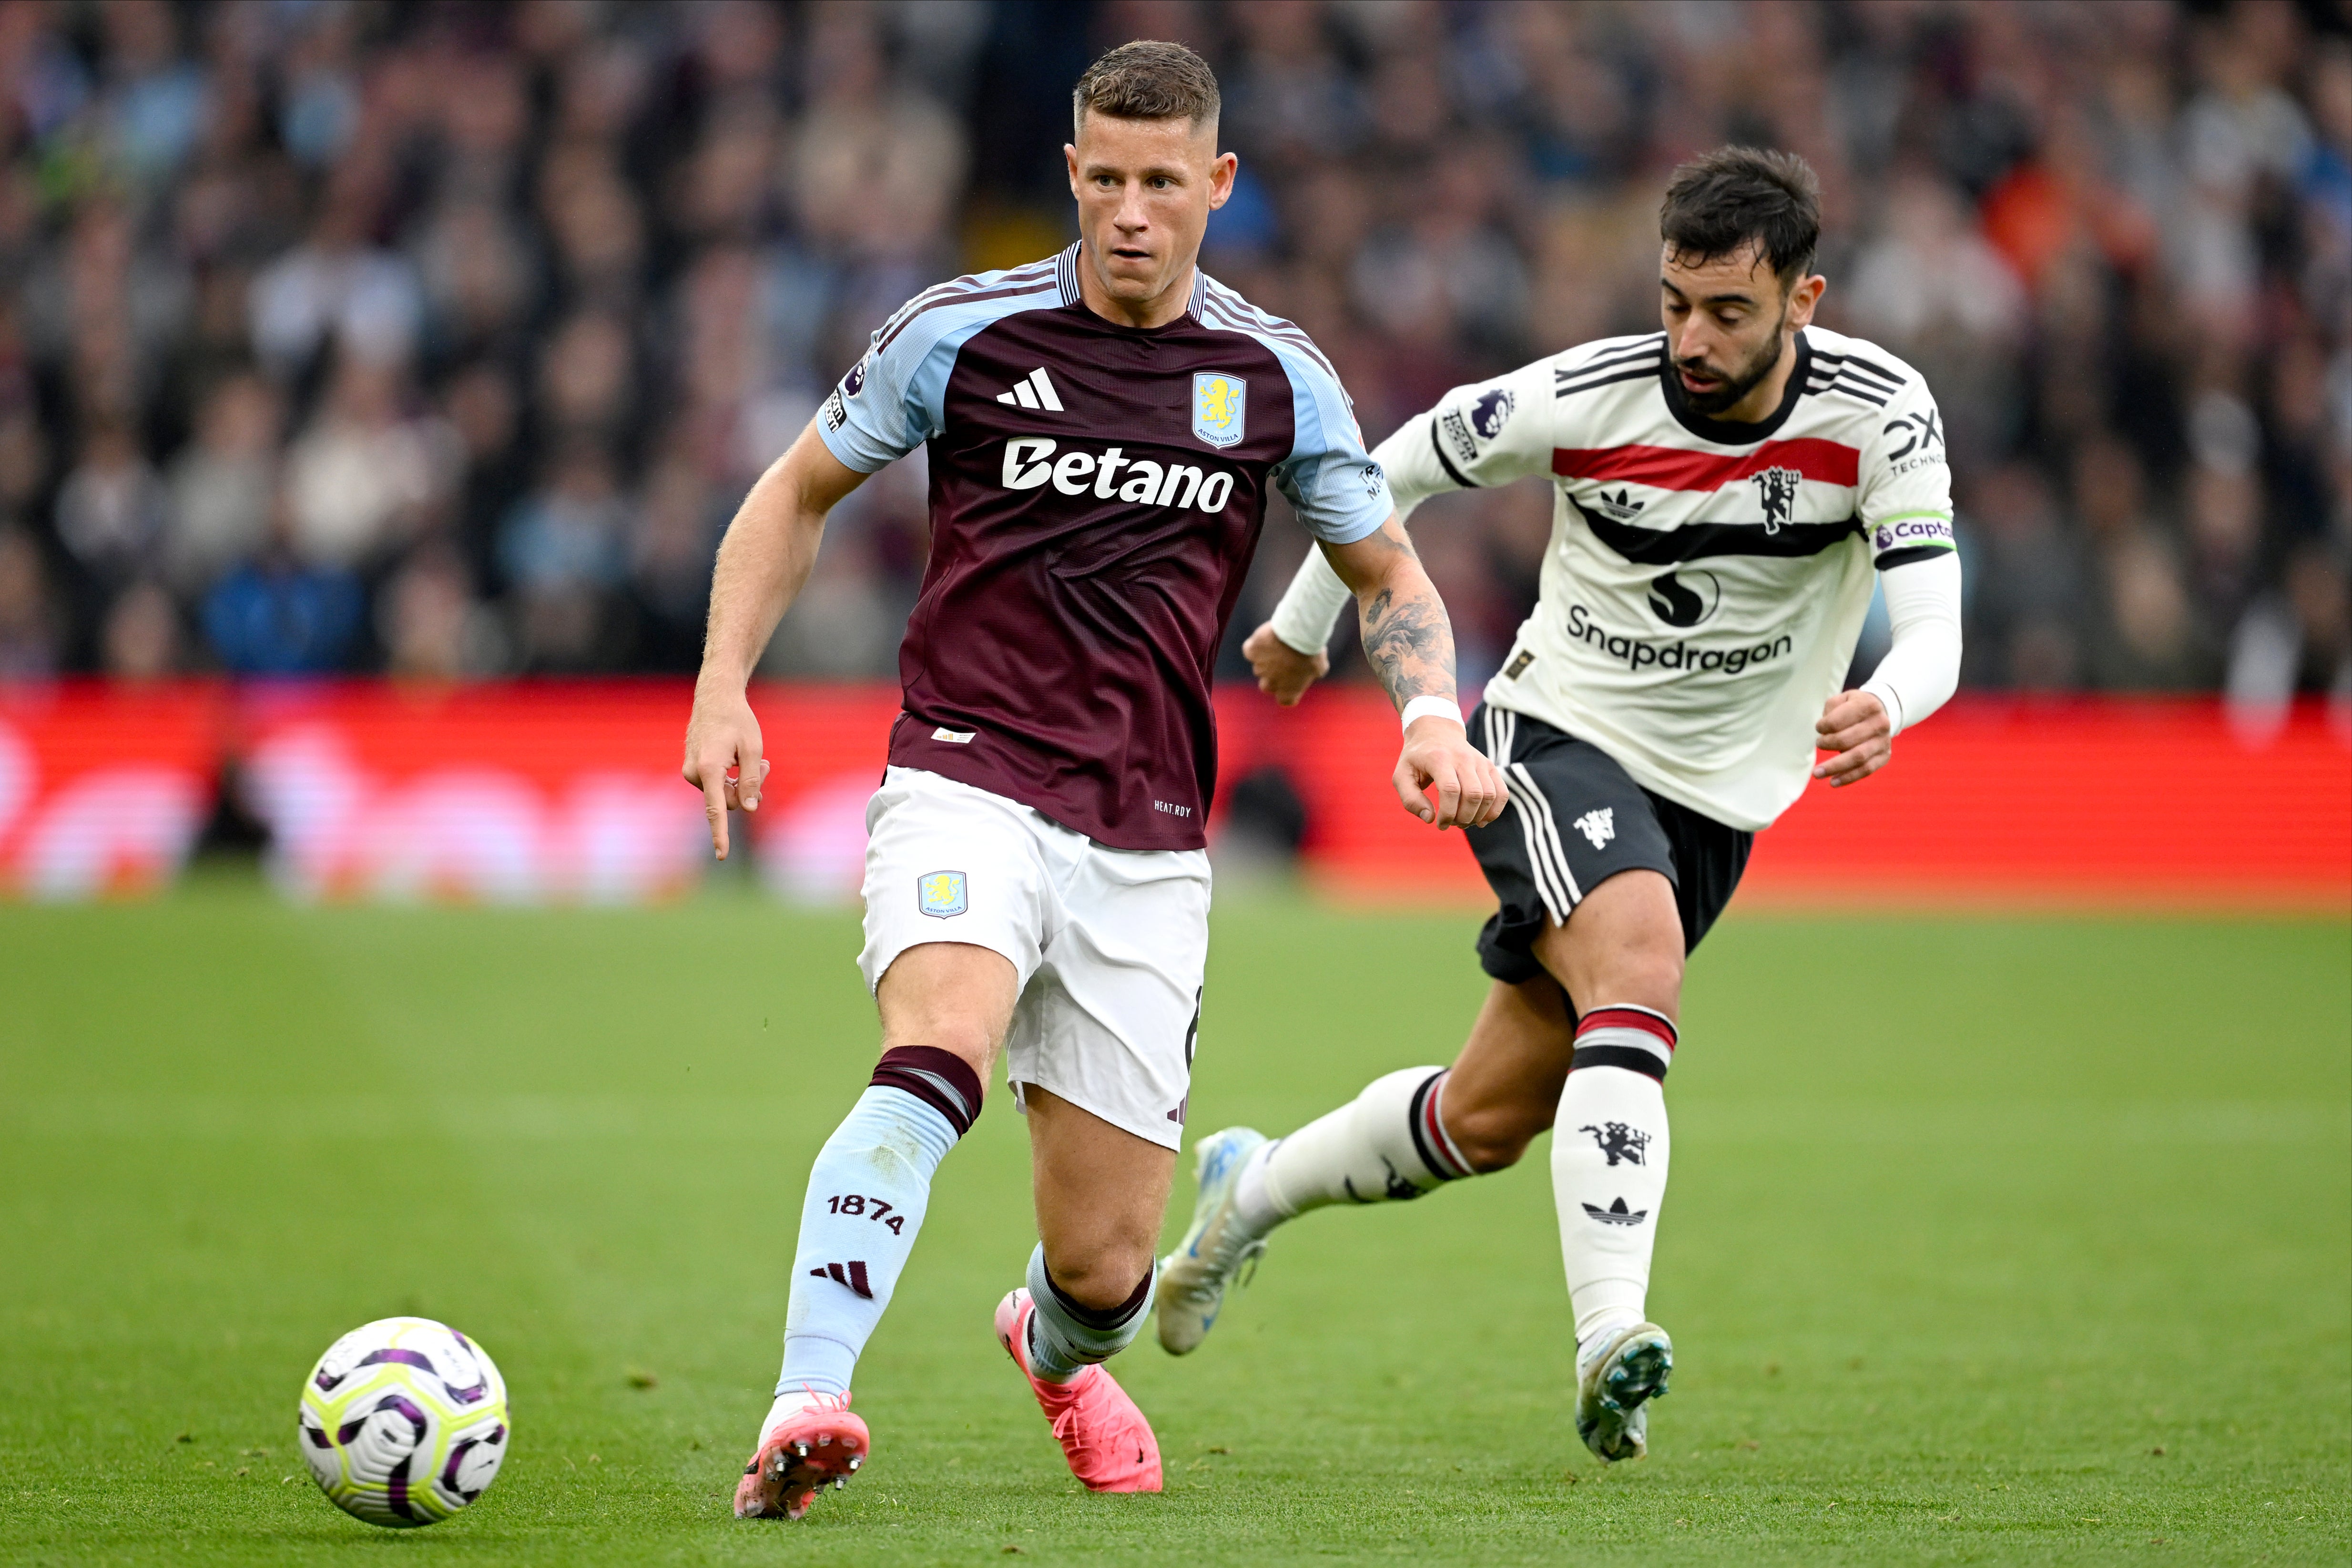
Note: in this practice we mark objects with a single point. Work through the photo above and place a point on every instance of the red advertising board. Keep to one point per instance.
(2109, 801)
(531, 792)
(102, 790)
(513, 794)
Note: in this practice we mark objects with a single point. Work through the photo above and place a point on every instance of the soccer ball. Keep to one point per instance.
(403, 1422)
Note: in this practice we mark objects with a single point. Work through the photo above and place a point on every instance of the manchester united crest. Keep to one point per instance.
(1776, 488)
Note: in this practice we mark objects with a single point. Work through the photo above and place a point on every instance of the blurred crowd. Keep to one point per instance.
(442, 339)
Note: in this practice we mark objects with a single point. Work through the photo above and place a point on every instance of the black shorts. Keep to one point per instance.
(1577, 818)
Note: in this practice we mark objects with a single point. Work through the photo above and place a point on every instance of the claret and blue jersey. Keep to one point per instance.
(1096, 492)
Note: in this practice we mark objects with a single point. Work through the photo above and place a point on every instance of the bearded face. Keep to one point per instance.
(1729, 319)
(1724, 385)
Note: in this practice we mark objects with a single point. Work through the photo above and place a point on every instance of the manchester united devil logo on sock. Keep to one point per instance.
(1620, 1142)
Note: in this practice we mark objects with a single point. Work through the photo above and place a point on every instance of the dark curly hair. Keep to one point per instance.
(1723, 201)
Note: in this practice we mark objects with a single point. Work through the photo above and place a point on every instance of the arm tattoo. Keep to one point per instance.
(1409, 642)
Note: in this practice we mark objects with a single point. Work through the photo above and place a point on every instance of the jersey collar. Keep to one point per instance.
(1733, 432)
(1065, 275)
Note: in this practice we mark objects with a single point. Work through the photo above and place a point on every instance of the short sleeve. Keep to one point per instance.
(1329, 479)
(1494, 432)
(1904, 500)
(893, 398)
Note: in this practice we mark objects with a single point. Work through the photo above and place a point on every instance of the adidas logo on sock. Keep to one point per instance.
(1032, 391)
(1617, 1214)
(855, 1278)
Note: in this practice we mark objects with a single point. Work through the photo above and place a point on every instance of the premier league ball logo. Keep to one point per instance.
(1491, 413)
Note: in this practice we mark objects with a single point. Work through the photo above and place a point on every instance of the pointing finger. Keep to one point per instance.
(714, 806)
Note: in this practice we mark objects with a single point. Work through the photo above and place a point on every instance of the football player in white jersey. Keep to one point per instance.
(1727, 490)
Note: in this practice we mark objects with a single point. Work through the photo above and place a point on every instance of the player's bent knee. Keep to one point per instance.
(1651, 979)
(1493, 1138)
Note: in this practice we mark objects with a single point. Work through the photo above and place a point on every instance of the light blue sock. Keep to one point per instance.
(866, 1194)
(1065, 1338)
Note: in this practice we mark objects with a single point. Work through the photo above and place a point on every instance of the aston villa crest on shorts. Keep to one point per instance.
(1219, 402)
(942, 893)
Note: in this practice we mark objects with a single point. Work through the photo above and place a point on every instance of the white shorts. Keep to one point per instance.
(1108, 944)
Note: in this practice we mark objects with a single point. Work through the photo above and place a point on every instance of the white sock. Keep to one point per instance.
(787, 1405)
(1251, 1205)
(1608, 1156)
(1388, 1143)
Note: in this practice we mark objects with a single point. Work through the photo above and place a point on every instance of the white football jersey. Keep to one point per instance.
(1707, 581)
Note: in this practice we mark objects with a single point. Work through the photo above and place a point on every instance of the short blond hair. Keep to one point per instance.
(1147, 81)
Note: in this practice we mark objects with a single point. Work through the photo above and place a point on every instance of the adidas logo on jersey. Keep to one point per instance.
(1619, 506)
(1617, 1214)
(1035, 390)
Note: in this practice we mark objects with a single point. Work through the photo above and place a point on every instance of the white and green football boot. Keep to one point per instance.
(1616, 1378)
(1196, 1275)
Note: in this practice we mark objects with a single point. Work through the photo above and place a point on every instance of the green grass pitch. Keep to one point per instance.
(1991, 1240)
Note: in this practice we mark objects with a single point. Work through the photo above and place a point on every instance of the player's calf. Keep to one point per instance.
(1610, 1154)
(1388, 1144)
(1492, 1136)
(867, 1196)
(1610, 1150)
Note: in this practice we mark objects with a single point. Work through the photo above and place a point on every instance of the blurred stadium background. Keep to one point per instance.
(375, 382)
(436, 342)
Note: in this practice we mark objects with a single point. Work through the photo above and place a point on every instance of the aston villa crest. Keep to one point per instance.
(1219, 404)
(942, 894)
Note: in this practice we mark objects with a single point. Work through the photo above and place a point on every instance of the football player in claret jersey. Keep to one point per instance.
(1104, 428)
(1727, 491)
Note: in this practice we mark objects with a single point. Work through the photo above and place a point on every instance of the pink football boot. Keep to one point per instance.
(820, 1442)
(1108, 1443)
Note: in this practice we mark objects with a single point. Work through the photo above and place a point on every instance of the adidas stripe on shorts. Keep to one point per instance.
(1575, 819)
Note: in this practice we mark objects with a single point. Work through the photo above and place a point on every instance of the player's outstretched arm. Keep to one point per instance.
(1920, 670)
(1409, 642)
(762, 563)
(1499, 433)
